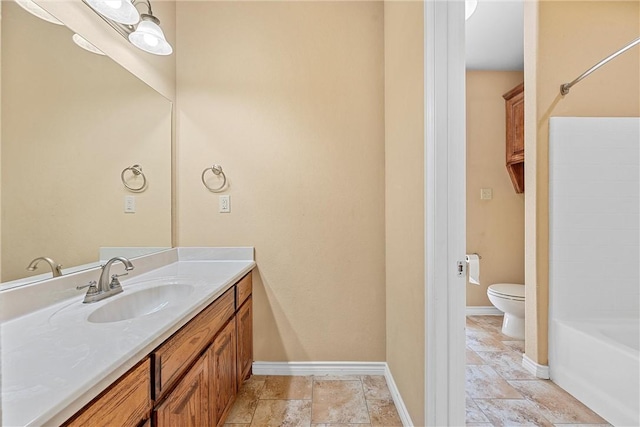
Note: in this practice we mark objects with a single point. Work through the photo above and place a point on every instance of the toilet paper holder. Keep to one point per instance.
(461, 264)
(473, 267)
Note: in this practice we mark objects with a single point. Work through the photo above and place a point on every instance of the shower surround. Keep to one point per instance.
(594, 273)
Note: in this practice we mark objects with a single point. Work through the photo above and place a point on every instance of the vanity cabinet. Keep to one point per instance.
(222, 357)
(189, 380)
(188, 403)
(204, 395)
(127, 402)
(244, 319)
(177, 353)
(514, 105)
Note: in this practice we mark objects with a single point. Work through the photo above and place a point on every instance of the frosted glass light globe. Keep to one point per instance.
(149, 37)
(121, 11)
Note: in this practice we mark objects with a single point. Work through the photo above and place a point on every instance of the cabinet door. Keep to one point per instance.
(245, 340)
(125, 403)
(514, 103)
(188, 404)
(179, 351)
(516, 137)
(223, 385)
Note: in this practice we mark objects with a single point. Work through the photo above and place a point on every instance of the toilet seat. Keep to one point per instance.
(510, 291)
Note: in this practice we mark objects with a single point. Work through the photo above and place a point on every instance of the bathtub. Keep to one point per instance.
(598, 362)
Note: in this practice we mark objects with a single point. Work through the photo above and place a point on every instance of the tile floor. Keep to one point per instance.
(500, 392)
(319, 401)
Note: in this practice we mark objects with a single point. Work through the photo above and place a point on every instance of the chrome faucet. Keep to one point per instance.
(105, 288)
(56, 269)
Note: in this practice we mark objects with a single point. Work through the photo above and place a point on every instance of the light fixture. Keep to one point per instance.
(149, 37)
(36, 10)
(121, 11)
(86, 44)
(469, 7)
(146, 35)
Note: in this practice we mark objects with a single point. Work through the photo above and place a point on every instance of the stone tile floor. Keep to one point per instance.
(500, 392)
(319, 401)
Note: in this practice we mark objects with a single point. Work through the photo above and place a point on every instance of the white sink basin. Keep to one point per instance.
(140, 303)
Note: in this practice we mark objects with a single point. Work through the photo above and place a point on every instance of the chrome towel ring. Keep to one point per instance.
(137, 171)
(217, 170)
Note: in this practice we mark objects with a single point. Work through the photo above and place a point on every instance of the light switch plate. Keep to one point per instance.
(224, 203)
(130, 204)
(486, 194)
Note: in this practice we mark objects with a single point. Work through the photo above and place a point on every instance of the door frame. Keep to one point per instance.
(445, 211)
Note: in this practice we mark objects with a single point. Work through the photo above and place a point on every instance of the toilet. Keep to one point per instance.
(509, 298)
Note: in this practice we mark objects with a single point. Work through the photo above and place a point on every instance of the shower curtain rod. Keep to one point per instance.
(564, 89)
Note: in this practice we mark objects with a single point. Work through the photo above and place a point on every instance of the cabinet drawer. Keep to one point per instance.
(125, 403)
(243, 289)
(177, 353)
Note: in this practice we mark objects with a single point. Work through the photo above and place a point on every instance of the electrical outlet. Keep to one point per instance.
(486, 194)
(224, 203)
(130, 204)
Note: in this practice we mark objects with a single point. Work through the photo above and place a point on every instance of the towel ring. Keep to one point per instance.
(217, 170)
(137, 171)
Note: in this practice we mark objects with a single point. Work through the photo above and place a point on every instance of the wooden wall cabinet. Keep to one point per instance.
(190, 380)
(514, 104)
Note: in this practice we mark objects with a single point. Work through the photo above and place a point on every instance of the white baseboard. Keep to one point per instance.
(403, 412)
(477, 310)
(540, 371)
(338, 369)
(319, 368)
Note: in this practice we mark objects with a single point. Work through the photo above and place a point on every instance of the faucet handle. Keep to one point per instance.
(93, 289)
(115, 283)
(91, 283)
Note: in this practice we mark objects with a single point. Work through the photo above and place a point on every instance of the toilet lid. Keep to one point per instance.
(510, 290)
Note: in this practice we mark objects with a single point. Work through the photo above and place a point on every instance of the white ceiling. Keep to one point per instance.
(495, 36)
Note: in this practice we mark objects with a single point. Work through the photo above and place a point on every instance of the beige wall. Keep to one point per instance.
(565, 39)
(0, 146)
(157, 71)
(72, 121)
(404, 170)
(289, 98)
(495, 228)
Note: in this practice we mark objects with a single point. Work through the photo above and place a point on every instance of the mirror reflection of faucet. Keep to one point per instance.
(105, 288)
(56, 269)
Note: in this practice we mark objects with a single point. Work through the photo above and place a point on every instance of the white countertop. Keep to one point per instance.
(54, 361)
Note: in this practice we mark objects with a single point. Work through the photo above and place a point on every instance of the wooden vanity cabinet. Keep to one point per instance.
(244, 319)
(188, 403)
(212, 335)
(191, 379)
(222, 357)
(203, 397)
(174, 355)
(514, 105)
(127, 402)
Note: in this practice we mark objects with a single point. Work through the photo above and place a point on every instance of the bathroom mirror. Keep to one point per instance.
(71, 122)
